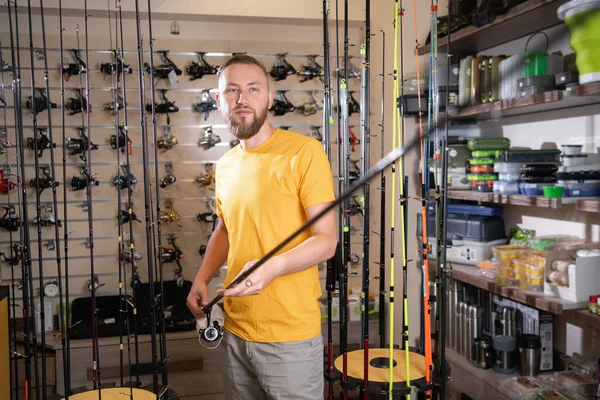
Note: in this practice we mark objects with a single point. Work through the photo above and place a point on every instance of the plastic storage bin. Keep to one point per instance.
(504, 187)
(529, 156)
(511, 69)
(509, 176)
(507, 167)
(580, 189)
(489, 144)
(532, 189)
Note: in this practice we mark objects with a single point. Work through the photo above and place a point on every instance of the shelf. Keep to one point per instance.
(521, 20)
(586, 318)
(587, 94)
(589, 205)
(469, 274)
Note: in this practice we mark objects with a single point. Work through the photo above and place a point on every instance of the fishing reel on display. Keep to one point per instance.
(77, 68)
(209, 217)
(126, 216)
(121, 141)
(7, 183)
(168, 141)
(5, 144)
(353, 105)
(77, 105)
(205, 104)
(353, 70)
(353, 139)
(41, 102)
(43, 143)
(4, 66)
(163, 70)
(3, 102)
(11, 224)
(44, 183)
(168, 179)
(131, 256)
(50, 218)
(80, 146)
(281, 105)
(354, 259)
(170, 214)
(311, 106)
(355, 206)
(15, 255)
(118, 66)
(354, 172)
(197, 70)
(125, 180)
(173, 255)
(315, 132)
(282, 68)
(233, 143)
(80, 183)
(311, 70)
(208, 178)
(165, 107)
(209, 139)
(114, 107)
(94, 284)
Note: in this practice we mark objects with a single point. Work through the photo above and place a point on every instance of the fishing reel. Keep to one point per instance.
(94, 284)
(163, 70)
(131, 256)
(197, 70)
(44, 183)
(353, 70)
(50, 218)
(354, 174)
(77, 68)
(168, 141)
(209, 139)
(114, 106)
(311, 106)
(41, 102)
(4, 66)
(165, 107)
(205, 104)
(118, 66)
(128, 215)
(125, 180)
(212, 333)
(208, 178)
(315, 132)
(311, 70)
(173, 255)
(208, 217)
(281, 105)
(168, 179)
(5, 144)
(17, 250)
(353, 105)
(170, 214)
(80, 146)
(80, 183)
(234, 142)
(355, 207)
(11, 224)
(120, 141)
(8, 185)
(282, 68)
(79, 104)
(43, 142)
(353, 139)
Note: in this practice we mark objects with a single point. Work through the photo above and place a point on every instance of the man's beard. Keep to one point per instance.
(243, 130)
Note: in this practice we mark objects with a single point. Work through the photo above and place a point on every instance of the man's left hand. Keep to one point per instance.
(257, 281)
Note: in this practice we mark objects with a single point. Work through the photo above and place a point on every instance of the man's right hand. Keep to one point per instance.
(198, 298)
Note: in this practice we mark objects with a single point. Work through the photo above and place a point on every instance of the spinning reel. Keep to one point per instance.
(4, 142)
(165, 107)
(77, 68)
(4, 66)
(168, 141)
(354, 174)
(114, 107)
(118, 66)
(282, 68)
(94, 284)
(131, 256)
(197, 70)
(11, 224)
(163, 70)
(125, 180)
(353, 105)
(15, 259)
(311, 106)
(79, 104)
(315, 132)
(205, 104)
(173, 255)
(41, 103)
(353, 139)
(80, 146)
(49, 220)
(168, 179)
(128, 215)
(209, 139)
(311, 70)
(80, 183)
(170, 215)
(6, 184)
(121, 141)
(43, 143)
(44, 183)
(212, 333)
(355, 207)
(207, 178)
(281, 105)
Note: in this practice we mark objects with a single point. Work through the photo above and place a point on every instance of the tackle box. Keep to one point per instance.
(532, 189)
(504, 187)
(481, 161)
(483, 186)
(580, 189)
(507, 167)
(509, 177)
(539, 169)
(529, 156)
(525, 178)
(489, 144)
(511, 69)
(468, 209)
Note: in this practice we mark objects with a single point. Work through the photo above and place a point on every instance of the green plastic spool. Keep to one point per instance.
(582, 18)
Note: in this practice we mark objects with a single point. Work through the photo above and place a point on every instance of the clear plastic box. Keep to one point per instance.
(507, 167)
(509, 176)
(503, 187)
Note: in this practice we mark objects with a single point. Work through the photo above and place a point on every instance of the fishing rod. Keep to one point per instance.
(134, 273)
(426, 336)
(382, 207)
(24, 213)
(365, 140)
(54, 196)
(38, 214)
(161, 304)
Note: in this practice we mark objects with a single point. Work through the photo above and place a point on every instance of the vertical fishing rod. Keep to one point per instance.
(66, 308)
(24, 212)
(365, 132)
(38, 211)
(382, 209)
(134, 274)
(426, 336)
(54, 197)
(163, 344)
(339, 124)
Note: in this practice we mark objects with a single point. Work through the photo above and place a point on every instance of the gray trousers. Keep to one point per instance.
(286, 370)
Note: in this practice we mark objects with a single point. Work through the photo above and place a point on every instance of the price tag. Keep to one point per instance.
(173, 78)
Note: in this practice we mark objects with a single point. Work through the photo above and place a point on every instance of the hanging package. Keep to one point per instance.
(582, 18)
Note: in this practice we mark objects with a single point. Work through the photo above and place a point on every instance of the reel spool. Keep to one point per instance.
(211, 332)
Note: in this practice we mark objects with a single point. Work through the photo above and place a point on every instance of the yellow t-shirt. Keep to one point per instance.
(262, 194)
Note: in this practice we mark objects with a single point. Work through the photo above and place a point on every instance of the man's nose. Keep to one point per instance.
(241, 99)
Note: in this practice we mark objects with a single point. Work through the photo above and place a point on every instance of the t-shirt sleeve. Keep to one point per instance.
(316, 181)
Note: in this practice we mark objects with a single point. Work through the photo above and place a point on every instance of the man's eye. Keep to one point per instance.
(254, 89)
(232, 91)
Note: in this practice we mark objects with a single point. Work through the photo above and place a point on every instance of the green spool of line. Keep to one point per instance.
(582, 18)
(482, 177)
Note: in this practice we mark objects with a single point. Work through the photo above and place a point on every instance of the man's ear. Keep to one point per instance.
(271, 98)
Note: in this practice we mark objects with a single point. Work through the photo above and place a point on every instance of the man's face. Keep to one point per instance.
(244, 99)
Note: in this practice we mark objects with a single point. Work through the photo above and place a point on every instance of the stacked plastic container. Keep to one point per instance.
(482, 173)
(520, 266)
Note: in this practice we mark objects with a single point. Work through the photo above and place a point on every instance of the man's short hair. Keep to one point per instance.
(242, 59)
